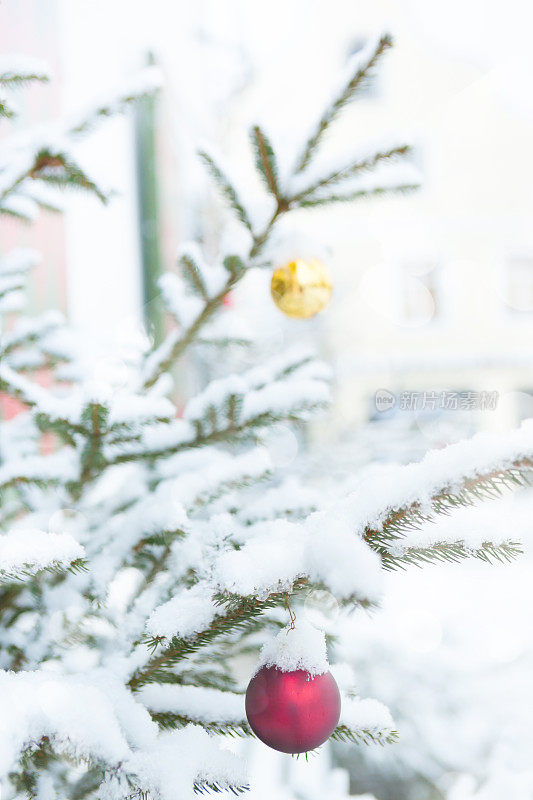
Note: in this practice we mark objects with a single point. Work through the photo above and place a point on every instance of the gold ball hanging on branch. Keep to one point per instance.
(301, 288)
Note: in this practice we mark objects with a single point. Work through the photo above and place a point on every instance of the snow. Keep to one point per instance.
(325, 164)
(194, 702)
(145, 82)
(59, 467)
(181, 758)
(31, 329)
(291, 497)
(75, 716)
(472, 526)
(366, 715)
(188, 612)
(384, 176)
(302, 647)
(396, 486)
(26, 67)
(24, 551)
(279, 385)
(211, 478)
(94, 717)
(19, 260)
(183, 306)
(342, 561)
(19, 205)
(214, 276)
(278, 553)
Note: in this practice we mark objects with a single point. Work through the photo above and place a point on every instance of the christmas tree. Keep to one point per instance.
(145, 551)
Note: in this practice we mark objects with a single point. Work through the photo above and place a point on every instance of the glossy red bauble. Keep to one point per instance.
(292, 712)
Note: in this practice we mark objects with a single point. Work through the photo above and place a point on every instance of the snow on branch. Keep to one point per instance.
(184, 762)
(365, 721)
(17, 70)
(385, 178)
(280, 553)
(294, 380)
(289, 499)
(192, 299)
(93, 718)
(25, 552)
(220, 176)
(194, 703)
(14, 268)
(30, 331)
(287, 387)
(144, 84)
(358, 71)
(38, 470)
(43, 153)
(38, 704)
(398, 499)
(492, 531)
(325, 174)
(19, 261)
(190, 611)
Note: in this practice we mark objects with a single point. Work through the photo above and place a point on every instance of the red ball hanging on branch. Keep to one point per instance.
(293, 702)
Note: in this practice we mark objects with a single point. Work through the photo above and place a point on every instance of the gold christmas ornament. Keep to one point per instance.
(301, 288)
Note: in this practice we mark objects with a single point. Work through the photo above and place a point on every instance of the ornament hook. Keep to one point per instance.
(292, 615)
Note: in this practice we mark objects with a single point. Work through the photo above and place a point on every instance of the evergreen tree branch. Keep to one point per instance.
(168, 721)
(20, 73)
(343, 733)
(451, 552)
(349, 171)
(227, 189)
(349, 91)
(239, 613)
(232, 433)
(159, 366)
(387, 538)
(265, 161)
(309, 201)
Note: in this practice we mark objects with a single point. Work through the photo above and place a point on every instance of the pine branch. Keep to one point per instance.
(451, 552)
(6, 112)
(168, 721)
(55, 568)
(226, 188)
(347, 94)
(171, 354)
(207, 787)
(145, 84)
(349, 171)
(20, 74)
(51, 166)
(364, 736)
(239, 612)
(357, 194)
(265, 161)
(193, 275)
(387, 538)
(32, 396)
(243, 432)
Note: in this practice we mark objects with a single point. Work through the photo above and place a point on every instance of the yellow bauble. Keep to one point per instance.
(301, 288)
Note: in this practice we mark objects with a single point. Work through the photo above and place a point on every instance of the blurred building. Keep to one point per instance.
(435, 290)
(433, 300)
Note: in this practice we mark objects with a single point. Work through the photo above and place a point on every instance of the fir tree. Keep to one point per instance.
(115, 700)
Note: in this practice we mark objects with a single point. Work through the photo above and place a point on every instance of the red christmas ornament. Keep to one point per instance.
(292, 711)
